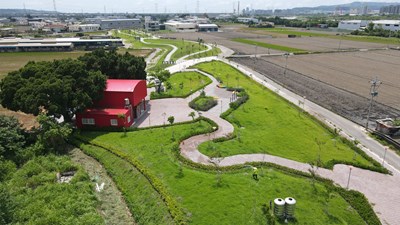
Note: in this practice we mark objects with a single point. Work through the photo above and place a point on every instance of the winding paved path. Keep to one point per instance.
(380, 189)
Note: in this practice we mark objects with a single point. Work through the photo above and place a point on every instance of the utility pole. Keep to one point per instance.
(375, 83)
(54, 5)
(286, 55)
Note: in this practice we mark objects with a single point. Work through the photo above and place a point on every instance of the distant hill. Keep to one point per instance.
(348, 6)
(17, 12)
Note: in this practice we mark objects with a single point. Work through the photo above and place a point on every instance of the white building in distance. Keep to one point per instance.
(352, 24)
(392, 25)
(178, 26)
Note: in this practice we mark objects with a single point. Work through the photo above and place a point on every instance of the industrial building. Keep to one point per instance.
(89, 27)
(178, 26)
(123, 101)
(352, 24)
(151, 25)
(120, 24)
(207, 28)
(56, 44)
(392, 25)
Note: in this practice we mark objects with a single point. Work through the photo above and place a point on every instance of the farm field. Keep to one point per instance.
(231, 197)
(352, 71)
(344, 102)
(15, 60)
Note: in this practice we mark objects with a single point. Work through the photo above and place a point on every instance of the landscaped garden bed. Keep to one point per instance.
(203, 102)
(268, 124)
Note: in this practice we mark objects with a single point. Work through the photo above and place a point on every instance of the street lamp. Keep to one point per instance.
(286, 55)
(164, 114)
(384, 156)
(348, 180)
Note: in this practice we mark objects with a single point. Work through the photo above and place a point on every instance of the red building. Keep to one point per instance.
(123, 101)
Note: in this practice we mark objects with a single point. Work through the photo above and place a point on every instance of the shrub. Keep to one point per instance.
(203, 103)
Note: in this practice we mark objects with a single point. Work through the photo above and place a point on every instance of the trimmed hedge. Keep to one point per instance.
(137, 211)
(208, 104)
(175, 210)
(121, 129)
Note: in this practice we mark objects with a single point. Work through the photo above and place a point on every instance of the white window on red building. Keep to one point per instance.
(129, 119)
(114, 122)
(88, 121)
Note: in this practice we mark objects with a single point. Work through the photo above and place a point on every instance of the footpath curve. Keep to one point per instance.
(380, 189)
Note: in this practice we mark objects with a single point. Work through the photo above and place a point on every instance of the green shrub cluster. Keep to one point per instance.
(243, 97)
(203, 103)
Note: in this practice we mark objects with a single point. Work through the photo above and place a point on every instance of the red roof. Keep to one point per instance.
(114, 85)
(105, 111)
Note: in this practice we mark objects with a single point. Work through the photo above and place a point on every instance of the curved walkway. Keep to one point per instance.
(209, 48)
(169, 56)
(380, 189)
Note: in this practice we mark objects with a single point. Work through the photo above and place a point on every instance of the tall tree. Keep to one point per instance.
(114, 65)
(62, 87)
(12, 139)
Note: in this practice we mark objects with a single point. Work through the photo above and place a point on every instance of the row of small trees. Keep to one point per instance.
(371, 30)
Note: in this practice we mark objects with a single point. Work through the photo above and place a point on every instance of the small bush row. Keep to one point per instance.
(175, 210)
(140, 214)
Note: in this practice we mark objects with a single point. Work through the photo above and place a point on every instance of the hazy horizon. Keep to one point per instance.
(167, 6)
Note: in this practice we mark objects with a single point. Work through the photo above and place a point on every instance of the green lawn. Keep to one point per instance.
(183, 84)
(271, 46)
(231, 197)
(213, 52)
(268, 124)
(184, 47)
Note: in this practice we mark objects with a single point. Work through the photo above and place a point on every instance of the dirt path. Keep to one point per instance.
(112, 205)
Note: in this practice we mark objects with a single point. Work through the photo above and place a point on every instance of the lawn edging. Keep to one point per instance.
(174, 208)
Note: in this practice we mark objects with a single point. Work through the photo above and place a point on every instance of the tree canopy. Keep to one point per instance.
(62, 87)
(114, 65)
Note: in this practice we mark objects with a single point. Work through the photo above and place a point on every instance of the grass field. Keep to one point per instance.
(271, 46)
(268, 124)
(184, 47)
(183, 84)
(226, 198)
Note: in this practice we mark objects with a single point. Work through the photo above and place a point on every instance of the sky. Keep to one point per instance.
(168, 6)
